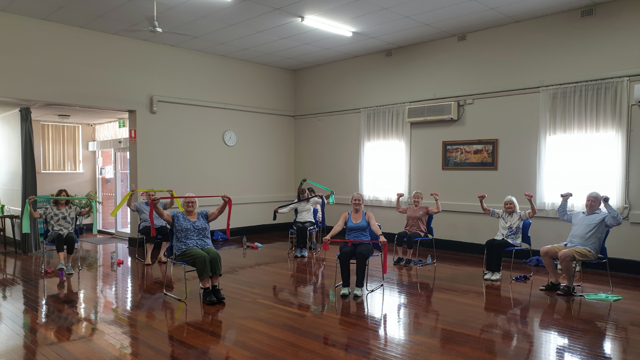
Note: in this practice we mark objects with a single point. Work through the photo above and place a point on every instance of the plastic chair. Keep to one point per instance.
(376, 246)
(313, 229)
(428, 236)
(46, 243)
(171, 260)
(602, 258)
(526, 240)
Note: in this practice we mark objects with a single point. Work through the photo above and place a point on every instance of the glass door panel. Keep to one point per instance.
(123, 219)
(106, 190)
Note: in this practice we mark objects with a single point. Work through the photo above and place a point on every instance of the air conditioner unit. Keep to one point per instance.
(432, 112)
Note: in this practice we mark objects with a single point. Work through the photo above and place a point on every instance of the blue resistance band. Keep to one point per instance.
(275, 214)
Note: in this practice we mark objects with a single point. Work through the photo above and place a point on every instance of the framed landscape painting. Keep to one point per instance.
(470, 155)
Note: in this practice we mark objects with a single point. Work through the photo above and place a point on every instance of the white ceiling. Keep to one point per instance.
(268, 31)
(78, 115)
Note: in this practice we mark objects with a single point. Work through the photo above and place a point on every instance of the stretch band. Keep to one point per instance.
(325, 246)
(26, 219)
(275, 214)
(126, 197)
(332, 199)
(229, 204)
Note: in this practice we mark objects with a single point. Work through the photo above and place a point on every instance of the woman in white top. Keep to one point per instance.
(509, 231)
(304, 220)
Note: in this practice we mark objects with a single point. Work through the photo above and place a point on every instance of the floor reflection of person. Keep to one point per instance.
(62, 315)
(306, 278)
(193, 339)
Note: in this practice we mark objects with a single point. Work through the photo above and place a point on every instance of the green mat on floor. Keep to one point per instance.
(602, 297)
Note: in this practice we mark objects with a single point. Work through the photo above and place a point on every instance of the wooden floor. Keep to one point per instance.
(285, 308)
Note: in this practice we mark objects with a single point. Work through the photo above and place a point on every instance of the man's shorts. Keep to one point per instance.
(579, 252)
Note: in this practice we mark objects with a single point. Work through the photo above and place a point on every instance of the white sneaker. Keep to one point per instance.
(345, 291)
(496, 276)
(488, 275)
(61, 266)
(357, 292)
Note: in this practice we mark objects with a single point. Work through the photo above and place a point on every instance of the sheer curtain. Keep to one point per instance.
(110, 131)
(384, 152)
(61, 149)
(583, 142)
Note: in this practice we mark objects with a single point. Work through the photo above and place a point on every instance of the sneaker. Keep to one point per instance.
(488, 275)
(208, 298)
(298, 253)
(304, 253)
(68, 269)
(408, 262)
(218, 294)
(345, 291)
(496, 276)
(61, 266)
(357, 292)
(398, 261)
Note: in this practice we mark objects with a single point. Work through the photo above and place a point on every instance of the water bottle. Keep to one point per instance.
(244, 242)
(429, 259)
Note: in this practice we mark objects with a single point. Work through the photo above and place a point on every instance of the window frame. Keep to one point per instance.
(79, 152)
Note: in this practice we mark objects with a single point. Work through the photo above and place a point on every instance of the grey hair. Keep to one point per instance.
(513, 199)
(197, 203)
(596, 195)
(357, 193)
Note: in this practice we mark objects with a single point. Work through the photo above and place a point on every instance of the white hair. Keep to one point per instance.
(512, 199)
(190, 194)
(595, 194)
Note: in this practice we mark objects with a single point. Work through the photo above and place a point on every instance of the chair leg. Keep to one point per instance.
(78, 254)
(609, 273)
(144, 246)
(513, 253)
(171, 295)
(435, 259)
(336, 284)
(366, 283)
(484, 262)
(44, 257)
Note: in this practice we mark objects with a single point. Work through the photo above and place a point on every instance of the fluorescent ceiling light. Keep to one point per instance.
(327, 26)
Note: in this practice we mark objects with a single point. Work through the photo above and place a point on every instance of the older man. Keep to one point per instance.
(584, 242)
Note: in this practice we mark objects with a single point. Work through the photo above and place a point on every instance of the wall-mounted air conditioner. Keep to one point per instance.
(432, 112)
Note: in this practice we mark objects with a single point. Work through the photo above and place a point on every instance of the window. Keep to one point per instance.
(61, 147)
(385, 172)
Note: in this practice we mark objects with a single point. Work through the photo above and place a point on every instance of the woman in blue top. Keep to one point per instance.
(142, 208)
(192, 243)
(357, 222)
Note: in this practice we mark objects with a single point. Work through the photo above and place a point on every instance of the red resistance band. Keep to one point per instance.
(325, 246)
(229, 204)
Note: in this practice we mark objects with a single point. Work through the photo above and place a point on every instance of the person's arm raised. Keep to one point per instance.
(485, 209)
(34, 214)
(399, 208)
(533, 210)
(219, 210)
(171, 202)
(438, 208)
(164, 215)
(614, 218)
(130, 200)
(376, 229)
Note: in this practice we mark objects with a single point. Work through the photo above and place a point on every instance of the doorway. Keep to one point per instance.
(113, 185)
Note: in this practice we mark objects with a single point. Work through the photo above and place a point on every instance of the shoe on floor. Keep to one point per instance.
(398, 261)
(496, 276)
(68, 269)
(304, 253)
(298, 253)
(408, 262)
(345, 291)
(61, 266)
(357, 292)
(218, 294)
(208, 298)
(488, 275)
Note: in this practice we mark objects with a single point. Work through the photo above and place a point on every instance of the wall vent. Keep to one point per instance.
(462, 37)
(388, 53)
(433, 112)
(587, 12)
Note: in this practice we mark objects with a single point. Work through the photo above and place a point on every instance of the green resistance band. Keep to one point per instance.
(126, 197)
(332, 199)
(26, 219)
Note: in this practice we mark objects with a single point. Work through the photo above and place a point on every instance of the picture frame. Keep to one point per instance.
(470, 154)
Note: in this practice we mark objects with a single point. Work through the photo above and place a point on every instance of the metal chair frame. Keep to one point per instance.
(313, 229)
(376, 246)
(46, 243)
(526, 240)
(144, 244)
(429, 236)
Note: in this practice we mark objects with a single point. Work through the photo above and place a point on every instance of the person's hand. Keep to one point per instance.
(566, 196)
(155, 200)
(482, 196)
(435, 196)
(31, 198)
(90, 198)
(170, 192)
(225, 198)
(326, 239)
(400, 195)
(319, 194)
(605, 199)
(133, 190)
(382, 239)
(304, 180)
(276, 210)
(529, 196)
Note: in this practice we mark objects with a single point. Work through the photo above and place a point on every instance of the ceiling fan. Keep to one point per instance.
(156, 29)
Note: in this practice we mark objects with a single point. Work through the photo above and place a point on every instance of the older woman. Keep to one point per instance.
(357, 222)
(416, 225)
(142, 208)
(192, 243)
(60, 216)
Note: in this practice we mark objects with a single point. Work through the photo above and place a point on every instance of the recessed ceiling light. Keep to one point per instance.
(327, 26)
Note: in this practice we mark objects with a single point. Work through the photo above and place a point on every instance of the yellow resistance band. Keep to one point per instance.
(126, 197)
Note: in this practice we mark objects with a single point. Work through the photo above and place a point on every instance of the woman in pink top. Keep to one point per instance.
(416, 225)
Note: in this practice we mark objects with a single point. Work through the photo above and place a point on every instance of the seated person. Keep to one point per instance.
(584, 242)
(416, 225)
(509, 232)
(357, 221)
(312, 192)
(142, 208)
(192, 243)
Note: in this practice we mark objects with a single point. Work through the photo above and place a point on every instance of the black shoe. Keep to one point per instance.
(218, 294)
(208, 298)
(408, 262)
(398, 261)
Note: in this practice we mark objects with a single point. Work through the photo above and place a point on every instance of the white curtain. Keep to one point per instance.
(61, 148)
(583, 142)
(110, 131)
(385, 138)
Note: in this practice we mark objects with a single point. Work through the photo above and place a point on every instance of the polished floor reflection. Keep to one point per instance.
(285, 308)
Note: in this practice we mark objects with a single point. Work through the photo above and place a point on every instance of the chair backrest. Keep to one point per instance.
(46, 231)
(603, 251)
(373, 236)
(526, 238)
(429, 226)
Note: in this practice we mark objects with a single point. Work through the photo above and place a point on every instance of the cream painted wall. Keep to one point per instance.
(10, 163)
(554, 49)
(75, 183)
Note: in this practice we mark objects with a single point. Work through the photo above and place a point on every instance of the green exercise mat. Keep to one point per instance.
(602, 297)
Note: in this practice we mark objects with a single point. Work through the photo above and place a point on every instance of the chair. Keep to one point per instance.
(602, 258)
(429, 236)
(313, 229)
(46, 243)
(144, 244)
(526, 240)
(171, 260)
(376, 246)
